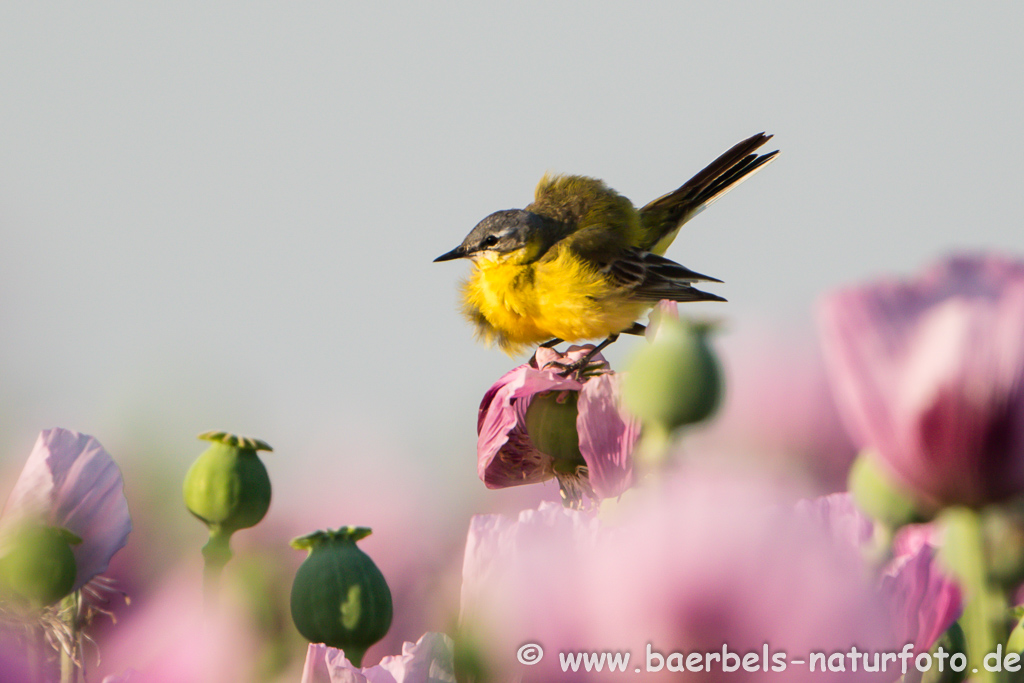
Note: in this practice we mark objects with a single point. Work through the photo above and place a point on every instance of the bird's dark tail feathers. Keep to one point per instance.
(663, 217)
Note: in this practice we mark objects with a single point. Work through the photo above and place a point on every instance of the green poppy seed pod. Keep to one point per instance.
(339, 597)
(676, 379)
(879, 496)
(227, 486)
(551, 426)
(39, 566)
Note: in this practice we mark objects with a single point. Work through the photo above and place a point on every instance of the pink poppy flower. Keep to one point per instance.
(70, 481)
(699, 563)
(508, 456)
(522, 583)
(922, 600)
(929, 374)
(428, 660)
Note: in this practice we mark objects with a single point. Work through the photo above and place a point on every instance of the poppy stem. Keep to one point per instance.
(985, 604)
(216, 554)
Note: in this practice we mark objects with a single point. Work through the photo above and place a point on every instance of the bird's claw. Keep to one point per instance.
(585, 366)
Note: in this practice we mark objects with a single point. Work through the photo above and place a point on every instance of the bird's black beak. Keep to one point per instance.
(457, 252)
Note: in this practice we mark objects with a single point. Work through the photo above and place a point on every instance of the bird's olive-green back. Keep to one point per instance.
(600, 222)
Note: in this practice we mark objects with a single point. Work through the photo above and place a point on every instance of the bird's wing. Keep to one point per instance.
(650, 277)
(663, 217)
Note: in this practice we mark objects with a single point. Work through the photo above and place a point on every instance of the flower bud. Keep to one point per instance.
(39, 566)
(339, 597)
(551, 426)
(227, 487)
(675, 380)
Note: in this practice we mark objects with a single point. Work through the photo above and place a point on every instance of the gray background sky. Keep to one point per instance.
(223, 215)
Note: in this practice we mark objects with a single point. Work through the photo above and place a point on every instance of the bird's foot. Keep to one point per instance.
(583, 368)
(585, 365)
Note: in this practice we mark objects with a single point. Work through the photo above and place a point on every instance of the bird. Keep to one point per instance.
(580, 262)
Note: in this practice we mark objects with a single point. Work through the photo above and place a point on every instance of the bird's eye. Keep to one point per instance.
(489, 242)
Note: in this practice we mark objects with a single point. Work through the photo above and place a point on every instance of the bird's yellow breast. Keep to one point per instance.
(562, 296)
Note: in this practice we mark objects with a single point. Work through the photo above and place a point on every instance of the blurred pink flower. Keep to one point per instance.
(428, 660)
(506, 455)
(930, 374)
(169, 636)
(14, 661)
(778, 408)
(495, 539)
(701, 563)
(922, 600)
(69, 481)
(840, 518)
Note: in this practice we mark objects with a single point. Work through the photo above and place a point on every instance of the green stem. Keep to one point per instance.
(67, 668)
(985, 605)
(878, 552)
(355, 654)
(216, 554)
(652, 450)
(70, 660)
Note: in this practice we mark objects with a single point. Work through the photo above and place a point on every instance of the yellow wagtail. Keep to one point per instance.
(581, 262)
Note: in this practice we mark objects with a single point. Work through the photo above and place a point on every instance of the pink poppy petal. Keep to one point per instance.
(315, 669)
(924, 601)
(505, 456)
(425, 661)
(607, 437)
(428, 660)
(840, 517)
(341, 670)
(493, 539)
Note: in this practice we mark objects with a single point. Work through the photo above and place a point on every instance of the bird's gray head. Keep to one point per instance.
(506, 231)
